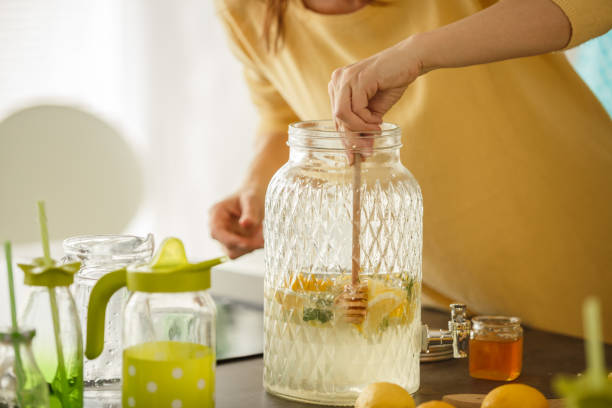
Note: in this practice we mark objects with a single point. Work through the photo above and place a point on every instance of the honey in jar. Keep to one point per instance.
(496, 348)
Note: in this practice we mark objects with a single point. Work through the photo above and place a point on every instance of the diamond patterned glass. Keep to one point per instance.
(310, 352)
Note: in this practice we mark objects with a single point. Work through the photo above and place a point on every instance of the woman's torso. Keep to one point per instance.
(514, 158)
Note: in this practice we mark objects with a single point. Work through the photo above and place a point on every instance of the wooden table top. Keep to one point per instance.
(239, 383)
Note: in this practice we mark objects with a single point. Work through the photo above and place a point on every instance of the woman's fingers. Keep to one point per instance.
(251, 211)
(349, 101)
(343, 111)
(225, 226)
(362, 90)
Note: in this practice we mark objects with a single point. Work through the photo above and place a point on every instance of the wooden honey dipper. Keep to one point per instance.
(354, 299)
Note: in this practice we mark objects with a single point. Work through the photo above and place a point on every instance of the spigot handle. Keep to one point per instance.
(459, 327)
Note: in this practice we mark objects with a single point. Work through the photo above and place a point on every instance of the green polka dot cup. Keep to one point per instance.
(168, 374)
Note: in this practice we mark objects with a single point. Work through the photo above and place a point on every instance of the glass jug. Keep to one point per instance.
(99, 255)
(58, 348)
(168, 330)
(17, 366)
(311, 353)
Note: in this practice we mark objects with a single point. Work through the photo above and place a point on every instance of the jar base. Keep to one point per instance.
(315, 398)
(346, 399)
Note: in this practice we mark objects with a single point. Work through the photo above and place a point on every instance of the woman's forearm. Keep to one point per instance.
(363, 92)
(271, 152)
(507, 29)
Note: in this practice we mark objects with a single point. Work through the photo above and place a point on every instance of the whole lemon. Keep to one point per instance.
(435, 404)
(384, 395)
(514, 396)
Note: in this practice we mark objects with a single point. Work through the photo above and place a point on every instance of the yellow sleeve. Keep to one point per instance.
(589, 18)
(274, 112)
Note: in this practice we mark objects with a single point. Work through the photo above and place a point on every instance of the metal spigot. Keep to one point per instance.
(438, 345)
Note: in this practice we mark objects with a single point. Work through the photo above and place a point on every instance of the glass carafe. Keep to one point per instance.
(168, 330)
(311, 353)
(21, 382)
(99, 255)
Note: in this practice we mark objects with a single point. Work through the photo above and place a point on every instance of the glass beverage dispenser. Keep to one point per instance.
(312, 352)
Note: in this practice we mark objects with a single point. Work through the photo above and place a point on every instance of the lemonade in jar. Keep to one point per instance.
(312, 352)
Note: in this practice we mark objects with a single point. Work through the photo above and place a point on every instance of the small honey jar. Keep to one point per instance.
(496, 348)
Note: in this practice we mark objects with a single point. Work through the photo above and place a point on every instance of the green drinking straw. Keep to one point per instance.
(61, 366)
(593, 389)
(593, 346)
(15, 328)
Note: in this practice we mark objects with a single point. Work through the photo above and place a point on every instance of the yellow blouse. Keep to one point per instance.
(514, 158)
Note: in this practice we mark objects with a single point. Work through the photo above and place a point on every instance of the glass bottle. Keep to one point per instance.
(310, 352)
(99, 255)
(496, 348)
(168, 330)
(58, 348)
(18, 367)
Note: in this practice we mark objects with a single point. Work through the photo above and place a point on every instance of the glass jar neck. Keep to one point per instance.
(319, 141)
(341, 158)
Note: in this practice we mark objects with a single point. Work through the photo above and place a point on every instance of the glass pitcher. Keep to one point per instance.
(311, 353)
(99, 255)
(168, 330)
(18, 371)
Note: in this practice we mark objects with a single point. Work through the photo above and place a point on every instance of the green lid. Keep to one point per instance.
(50, 274)
(170, 271)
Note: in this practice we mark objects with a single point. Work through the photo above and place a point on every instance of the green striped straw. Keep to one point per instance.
(61, 364)
(15, 328)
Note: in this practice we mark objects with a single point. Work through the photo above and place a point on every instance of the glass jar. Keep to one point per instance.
(310, 352)
(168, 330)
(18, 367)
(99, 255)
(496, 348)
(58, 348)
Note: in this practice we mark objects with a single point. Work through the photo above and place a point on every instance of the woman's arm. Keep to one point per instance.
(363, 92)
(236, 222)
(508, 29)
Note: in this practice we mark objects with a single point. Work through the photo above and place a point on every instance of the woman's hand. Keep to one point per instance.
(236, 223)
(363, 92)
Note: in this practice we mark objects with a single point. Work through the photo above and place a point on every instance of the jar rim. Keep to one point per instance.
(496, 321)
(322, 135)
(113, 246)
(325, 128)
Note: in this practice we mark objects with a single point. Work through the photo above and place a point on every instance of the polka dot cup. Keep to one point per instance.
(168, 374)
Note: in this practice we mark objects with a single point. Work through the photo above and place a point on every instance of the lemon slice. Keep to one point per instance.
(382, 301)
(289, 300)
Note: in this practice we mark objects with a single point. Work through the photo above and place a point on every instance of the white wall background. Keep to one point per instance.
(160, 72)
